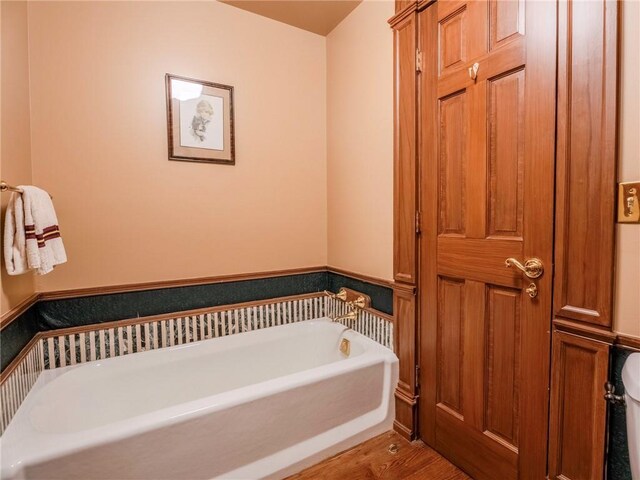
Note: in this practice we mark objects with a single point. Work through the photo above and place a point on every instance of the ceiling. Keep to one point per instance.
(317, 16)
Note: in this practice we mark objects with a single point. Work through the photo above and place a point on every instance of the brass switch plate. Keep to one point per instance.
(629, 202)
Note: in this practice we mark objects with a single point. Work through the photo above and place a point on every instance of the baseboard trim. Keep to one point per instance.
(628, 341)
(403, 431)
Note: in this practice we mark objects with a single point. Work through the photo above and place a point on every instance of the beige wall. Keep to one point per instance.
(627, 314)
(360, 141)
(299, 195)
(15, 149)
(99, 141)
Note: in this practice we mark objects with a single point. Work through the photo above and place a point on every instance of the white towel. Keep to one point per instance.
(15, 245)
(43, 244)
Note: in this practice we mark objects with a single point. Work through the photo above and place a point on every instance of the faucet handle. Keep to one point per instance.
(341, 295)
(359, 302)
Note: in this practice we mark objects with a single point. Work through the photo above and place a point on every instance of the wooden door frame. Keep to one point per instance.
(427, 291)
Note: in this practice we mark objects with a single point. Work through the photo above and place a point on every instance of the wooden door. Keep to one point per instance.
(487, 194)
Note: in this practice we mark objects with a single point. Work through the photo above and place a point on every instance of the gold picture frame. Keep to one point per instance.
(199, 121)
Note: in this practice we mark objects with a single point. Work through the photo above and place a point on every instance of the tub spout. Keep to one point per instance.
(351, 315)
(353, 309)
(346, 329)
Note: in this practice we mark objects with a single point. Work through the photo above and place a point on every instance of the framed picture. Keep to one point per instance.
(199, 121)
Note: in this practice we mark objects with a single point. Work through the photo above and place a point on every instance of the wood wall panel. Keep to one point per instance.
(405, 161)
(404, 308)
(404, 26)
(586, 160)
(584, 239)
(578, 409)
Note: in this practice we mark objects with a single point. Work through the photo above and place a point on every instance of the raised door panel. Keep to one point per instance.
(506, 154)
(452, 44)
(586, 160)
(405, 163)
(506, 21)
(502, 369)
(450, 347)
(578, 409)
(453, 163)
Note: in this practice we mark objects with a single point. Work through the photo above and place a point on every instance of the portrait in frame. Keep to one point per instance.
(199, 121)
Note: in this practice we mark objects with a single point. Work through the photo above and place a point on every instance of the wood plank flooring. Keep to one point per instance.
(371, 460)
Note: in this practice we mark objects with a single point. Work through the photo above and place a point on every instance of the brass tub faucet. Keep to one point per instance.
(353, 306)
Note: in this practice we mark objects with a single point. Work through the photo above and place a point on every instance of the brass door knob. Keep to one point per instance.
(532, 268)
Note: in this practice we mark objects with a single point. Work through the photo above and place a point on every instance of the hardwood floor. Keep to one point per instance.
(372, 460)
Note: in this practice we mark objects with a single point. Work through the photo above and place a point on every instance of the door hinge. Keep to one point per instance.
(417, 377)
(418, 60)
(418, 222)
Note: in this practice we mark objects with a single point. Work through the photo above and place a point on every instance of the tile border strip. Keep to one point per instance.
(17, 383)
(101, 341)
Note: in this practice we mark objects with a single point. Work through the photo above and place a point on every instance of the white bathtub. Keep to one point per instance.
(261, 404)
